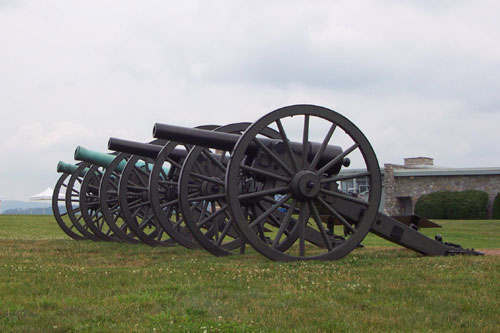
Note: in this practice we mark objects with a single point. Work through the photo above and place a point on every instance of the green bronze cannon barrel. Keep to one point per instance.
(226, 141)
(63, 167)
(104, 160)
(97, 158)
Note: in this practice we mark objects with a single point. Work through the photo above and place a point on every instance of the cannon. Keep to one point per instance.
(296, 174)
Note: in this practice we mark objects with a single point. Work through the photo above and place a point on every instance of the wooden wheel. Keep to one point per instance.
(202, 196)
(299, 177)
(73, 207)
(62, 218)
(90, 205)
(133, 194)
(109, 201)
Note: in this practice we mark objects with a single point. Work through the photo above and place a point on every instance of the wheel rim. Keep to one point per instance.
(133, 193)
(109, 200)
(73, 207)
(91, 207)
(163, 194)
(292, 173)
(62, 219)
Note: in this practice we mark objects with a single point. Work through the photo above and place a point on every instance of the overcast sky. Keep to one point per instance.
(419, 78)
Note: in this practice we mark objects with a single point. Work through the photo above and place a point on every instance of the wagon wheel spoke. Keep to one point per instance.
(207, 219)
(305, 141)
(271, 209)
(264, 173)
(336, 214)
(284, 224)
(286, 142)
(277, 190)
(224, 232)
(321, 149)
(213, 159)
(302, 221)
(274, 157)
(320, 225)
(208, 179)
(207, 197)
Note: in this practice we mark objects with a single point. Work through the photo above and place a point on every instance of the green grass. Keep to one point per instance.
(51, 283)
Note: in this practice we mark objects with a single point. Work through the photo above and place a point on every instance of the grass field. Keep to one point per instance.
(51, 283)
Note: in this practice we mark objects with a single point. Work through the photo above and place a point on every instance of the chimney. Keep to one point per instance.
(418, 162)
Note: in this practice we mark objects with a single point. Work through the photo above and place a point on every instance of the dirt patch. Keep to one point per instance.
(491, 252)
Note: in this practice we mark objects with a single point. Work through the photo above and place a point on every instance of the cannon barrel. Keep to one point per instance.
(97, 158)
(63, 167)
(134, 147)
(227, 141)
(142, 149)
(104, 160)
(195, 136)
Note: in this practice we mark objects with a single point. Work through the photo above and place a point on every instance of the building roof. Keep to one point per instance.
(446, 172)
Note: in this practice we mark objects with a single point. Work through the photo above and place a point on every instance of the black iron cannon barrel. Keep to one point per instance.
(142, 149)
(227, 141)
(196, 136)
(134, 147)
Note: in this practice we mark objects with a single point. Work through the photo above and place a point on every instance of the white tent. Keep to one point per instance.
(45, 195)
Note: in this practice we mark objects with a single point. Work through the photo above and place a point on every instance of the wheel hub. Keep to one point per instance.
(210, 188)
(305, 185)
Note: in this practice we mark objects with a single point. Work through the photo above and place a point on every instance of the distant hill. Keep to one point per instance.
(9, 205)
(32, 211)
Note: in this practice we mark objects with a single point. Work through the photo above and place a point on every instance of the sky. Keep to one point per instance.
(419, 78)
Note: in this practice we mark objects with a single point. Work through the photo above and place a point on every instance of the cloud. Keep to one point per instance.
(39, 137)
(418, 77)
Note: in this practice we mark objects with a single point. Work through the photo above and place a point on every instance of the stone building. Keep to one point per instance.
(404, 184)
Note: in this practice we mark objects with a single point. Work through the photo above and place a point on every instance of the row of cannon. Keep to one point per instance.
(274, 185)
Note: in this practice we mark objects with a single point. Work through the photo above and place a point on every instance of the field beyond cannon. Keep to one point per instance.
(49, 282)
